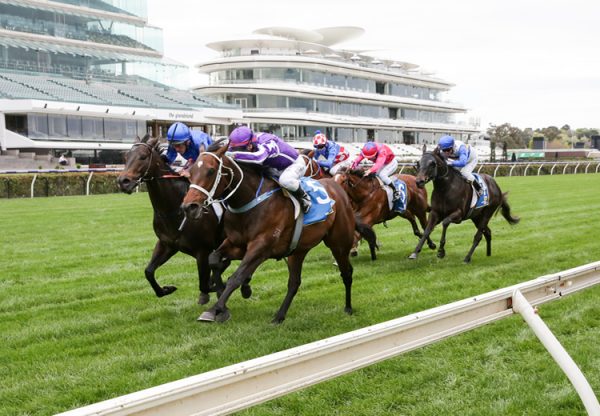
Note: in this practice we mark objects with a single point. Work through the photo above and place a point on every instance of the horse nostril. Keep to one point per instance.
(191, 209)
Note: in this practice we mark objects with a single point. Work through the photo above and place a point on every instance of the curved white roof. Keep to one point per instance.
(303, 35)
(338, 34)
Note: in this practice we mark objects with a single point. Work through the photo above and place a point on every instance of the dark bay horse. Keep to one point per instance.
(166, 191)
(265, 230)
(450, 202)
(370, 200)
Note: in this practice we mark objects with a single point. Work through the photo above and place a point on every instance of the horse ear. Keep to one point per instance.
(145, 138)
(424, 148)
(221, 150)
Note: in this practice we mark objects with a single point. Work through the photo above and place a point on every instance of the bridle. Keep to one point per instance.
(210, 194)
(436, 175)
(143, 177)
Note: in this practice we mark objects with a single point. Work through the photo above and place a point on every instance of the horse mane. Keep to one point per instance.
(217, 145)
(356, 172)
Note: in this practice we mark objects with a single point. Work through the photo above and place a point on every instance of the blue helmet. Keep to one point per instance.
(178, 133)
(446, 142)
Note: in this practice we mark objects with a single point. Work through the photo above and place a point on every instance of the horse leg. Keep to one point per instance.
(481, 225)
(355, 244)
(203, 277)
(487, 233)
(428, 229)
(160, 255)
(441, 251)
(219, 260)
(423, 221)
(346, 270)
(252, 259)
(294, 264)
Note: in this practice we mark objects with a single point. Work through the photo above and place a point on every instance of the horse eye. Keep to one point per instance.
(210, 172)
(143, 157)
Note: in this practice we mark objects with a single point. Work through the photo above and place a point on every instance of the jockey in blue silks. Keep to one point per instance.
(462, 157)
(329, 155)
(185, 146)
(270, 151)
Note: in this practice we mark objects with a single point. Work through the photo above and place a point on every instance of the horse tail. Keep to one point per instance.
(365, 231)
(505, 209)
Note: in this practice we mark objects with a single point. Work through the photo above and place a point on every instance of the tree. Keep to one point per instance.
(514, 137)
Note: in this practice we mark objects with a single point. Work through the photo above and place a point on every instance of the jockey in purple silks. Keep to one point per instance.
(268, 150)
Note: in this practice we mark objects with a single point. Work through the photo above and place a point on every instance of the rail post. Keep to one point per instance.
(33, 184)
(557, 351)
(87, 185)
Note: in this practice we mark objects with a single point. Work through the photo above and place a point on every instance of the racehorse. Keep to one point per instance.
(259, 229)
(370, 200)
(313, 170)
(451, 200)
(166, 190)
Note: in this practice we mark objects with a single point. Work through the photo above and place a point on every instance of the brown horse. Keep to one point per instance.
(166, 191)
(313, 170)
(257, 231)
(450, 203)
(370, 200)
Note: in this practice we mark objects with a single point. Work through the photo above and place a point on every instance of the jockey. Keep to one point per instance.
(270, 151)
(384, 163)
(185, 146)
(335, 155)
(462, 157)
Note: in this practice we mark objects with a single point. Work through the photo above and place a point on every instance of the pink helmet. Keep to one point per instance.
(241, 136)
(319, 140)
(369, 150)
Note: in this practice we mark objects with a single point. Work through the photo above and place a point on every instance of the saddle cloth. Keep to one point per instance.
(484, 199)
(322, 205)
(400, 205)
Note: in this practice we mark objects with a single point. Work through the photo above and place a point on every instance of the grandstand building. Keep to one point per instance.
(85, 77)
(293, 82)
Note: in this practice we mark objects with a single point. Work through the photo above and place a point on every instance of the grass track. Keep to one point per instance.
(80, 324)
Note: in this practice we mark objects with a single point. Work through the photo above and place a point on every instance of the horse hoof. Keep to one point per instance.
(207, 316)
(441, 254)
(224, 316)
(277, 320)
(246, 291)
(413, 256)
(467, 260)
(353, 252)
(432, 246)
(167, 290)
(203, 298)
(349, 311)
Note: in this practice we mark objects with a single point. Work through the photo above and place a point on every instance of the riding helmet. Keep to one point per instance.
(369, 150)
(240, 136)
(446, 142)
(319, 140)
(178, 133)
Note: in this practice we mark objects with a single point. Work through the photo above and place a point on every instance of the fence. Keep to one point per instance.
(52, 182)
(243, 385)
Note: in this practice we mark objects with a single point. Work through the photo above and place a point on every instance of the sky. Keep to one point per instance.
(530, 63)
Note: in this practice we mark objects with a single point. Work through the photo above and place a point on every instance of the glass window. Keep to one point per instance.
(335, 80)
(328, 107)
(37, 126)
(57, 126)
(301, 103)
(270, 101)
(92, 128)
(74, 126)
(114, 130)
(16, 123)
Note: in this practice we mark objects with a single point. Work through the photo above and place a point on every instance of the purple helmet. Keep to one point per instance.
(241, 136)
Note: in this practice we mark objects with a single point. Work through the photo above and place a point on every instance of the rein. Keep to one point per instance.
(210, 194)
(144, 177)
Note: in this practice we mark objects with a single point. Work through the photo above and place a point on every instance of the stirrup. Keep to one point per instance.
(306, 205)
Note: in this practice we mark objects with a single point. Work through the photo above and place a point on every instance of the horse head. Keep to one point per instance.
(143, 163)
(206, 180)
(428, 168)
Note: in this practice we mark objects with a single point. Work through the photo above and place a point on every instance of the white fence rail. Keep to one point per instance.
(243, 385)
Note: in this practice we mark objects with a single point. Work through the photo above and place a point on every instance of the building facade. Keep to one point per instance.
(293, 82)
(86, 77)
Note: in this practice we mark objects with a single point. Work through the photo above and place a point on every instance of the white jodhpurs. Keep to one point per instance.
(385, 172)
(290, 177)
(467, 170)
(335, 168)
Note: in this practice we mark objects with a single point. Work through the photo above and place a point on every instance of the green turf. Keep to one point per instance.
(79, 323)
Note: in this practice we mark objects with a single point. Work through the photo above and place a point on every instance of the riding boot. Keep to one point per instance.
(397, 195)
(303, 198)
(477, 187)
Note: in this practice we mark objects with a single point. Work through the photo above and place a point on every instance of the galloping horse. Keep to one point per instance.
(166, 191)
(370, 200)
(259, 229)
(313, 170)
(451, 200)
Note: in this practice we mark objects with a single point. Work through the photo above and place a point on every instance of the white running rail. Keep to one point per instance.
(243, 385)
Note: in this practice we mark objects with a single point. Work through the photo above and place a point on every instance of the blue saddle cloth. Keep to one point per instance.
(322, 205)
(484, 199)
(400, 204)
